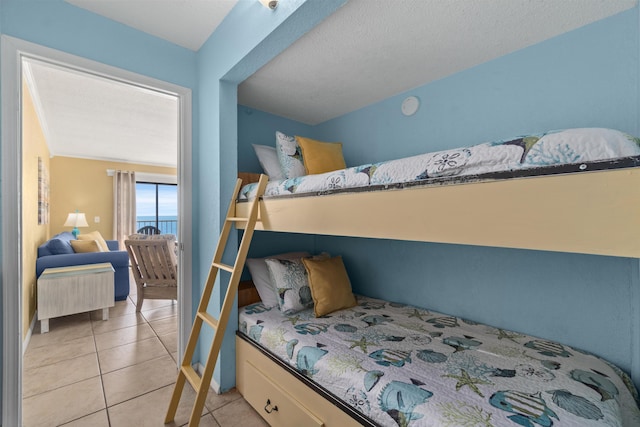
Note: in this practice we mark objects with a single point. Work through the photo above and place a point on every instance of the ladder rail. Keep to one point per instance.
(209, 282)
(226, 228)
(231, 292)
(186, 372)
(217, 257)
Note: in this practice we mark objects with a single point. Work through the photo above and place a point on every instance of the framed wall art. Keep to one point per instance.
(43, 193)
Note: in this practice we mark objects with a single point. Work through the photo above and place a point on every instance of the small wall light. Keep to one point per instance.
(410, 105)
(271, 4)
(75, 220)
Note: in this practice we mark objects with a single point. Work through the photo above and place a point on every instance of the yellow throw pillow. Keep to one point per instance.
(83, 246)
(330, 285)
(321, 157)
(95, 235)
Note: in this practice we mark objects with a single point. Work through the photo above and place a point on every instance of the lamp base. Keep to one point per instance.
(75, 232)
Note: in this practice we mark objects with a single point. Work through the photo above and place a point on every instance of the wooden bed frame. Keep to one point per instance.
(267, 384)
(595, 212)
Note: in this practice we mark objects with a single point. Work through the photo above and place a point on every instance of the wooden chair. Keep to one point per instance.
(149, 229)
(154, 268)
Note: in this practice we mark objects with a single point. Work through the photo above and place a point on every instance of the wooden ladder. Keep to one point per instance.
(187, 372)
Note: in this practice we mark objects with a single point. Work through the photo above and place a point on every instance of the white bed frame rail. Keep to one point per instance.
(588, 212)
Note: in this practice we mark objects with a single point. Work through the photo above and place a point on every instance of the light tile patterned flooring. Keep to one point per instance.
(118, 373)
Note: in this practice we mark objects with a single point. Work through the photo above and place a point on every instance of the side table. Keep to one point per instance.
(74, 289)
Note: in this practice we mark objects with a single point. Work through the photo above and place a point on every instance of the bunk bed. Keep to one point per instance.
(587, 207)
(383, 363)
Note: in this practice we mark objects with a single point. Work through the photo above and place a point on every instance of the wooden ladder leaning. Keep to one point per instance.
(187, 372)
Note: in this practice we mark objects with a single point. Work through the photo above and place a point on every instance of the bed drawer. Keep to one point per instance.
(275, 405)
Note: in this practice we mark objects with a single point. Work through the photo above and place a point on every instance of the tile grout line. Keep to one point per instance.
(135, 364)
(209, 411)
(104, 392)
(76, 419)
(145, 321)
(77, 356)
(59, 361)
(59, 387)
(92, 336)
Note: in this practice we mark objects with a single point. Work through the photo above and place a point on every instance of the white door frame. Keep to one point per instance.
(13, 50)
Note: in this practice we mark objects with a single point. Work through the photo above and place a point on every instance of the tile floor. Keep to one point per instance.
(118, 373)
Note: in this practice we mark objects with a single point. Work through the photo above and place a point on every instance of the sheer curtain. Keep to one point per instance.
(124, 205)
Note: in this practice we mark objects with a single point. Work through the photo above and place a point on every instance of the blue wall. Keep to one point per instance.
(249, 37)
(258, 127)
(1, 237)
(59, 25)
(587, 77)
(486, 102)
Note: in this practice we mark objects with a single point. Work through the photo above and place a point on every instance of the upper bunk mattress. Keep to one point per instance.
(527, 153)
(402, 365)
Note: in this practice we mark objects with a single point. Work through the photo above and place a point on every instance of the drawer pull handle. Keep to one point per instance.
(268, 408)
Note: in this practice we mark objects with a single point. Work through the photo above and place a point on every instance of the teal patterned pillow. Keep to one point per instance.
(290, 156)
(291, 284)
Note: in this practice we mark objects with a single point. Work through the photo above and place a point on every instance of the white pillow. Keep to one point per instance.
(268, 159)
(289, 156)
(261, 278)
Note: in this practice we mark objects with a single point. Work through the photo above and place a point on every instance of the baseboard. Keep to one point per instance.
(214, 385)
(27, 339)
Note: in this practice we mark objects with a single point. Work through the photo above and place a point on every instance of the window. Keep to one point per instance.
(157, 206)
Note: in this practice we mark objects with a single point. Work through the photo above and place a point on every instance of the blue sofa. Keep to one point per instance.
(57, 252)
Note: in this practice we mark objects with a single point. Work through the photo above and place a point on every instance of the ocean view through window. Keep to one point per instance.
(157, 206)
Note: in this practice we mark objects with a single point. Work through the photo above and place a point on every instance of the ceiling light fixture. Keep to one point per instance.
(271, 4)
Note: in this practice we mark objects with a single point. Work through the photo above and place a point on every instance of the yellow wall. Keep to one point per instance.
(34, 145)
(73, 184)
(84, 185)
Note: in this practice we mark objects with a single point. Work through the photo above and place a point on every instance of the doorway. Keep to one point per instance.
(14, 53)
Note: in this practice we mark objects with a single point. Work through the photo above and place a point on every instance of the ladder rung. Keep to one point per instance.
(223, 267)
(192, 376)
(186, 372)
(211, 321)
(237, 219)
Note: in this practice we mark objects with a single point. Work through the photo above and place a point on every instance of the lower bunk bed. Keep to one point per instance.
(382, 363)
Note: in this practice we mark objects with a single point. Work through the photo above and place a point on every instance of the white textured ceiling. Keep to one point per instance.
(370, 50)
(187, 23)
(93, 117)
(367, 51)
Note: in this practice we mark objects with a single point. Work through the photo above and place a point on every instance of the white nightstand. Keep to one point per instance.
(75, 289)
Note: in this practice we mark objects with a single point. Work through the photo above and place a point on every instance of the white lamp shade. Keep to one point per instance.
(76, 219)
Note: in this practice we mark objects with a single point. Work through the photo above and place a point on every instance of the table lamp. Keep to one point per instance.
(75, 220)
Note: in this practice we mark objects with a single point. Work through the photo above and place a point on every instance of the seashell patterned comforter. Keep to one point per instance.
(525, 153)
(400, 365)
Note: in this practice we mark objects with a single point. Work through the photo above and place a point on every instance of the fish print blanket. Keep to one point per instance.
(401, 365)
(554, 148)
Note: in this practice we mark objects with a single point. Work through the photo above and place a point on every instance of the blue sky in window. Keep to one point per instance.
(146, 200)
